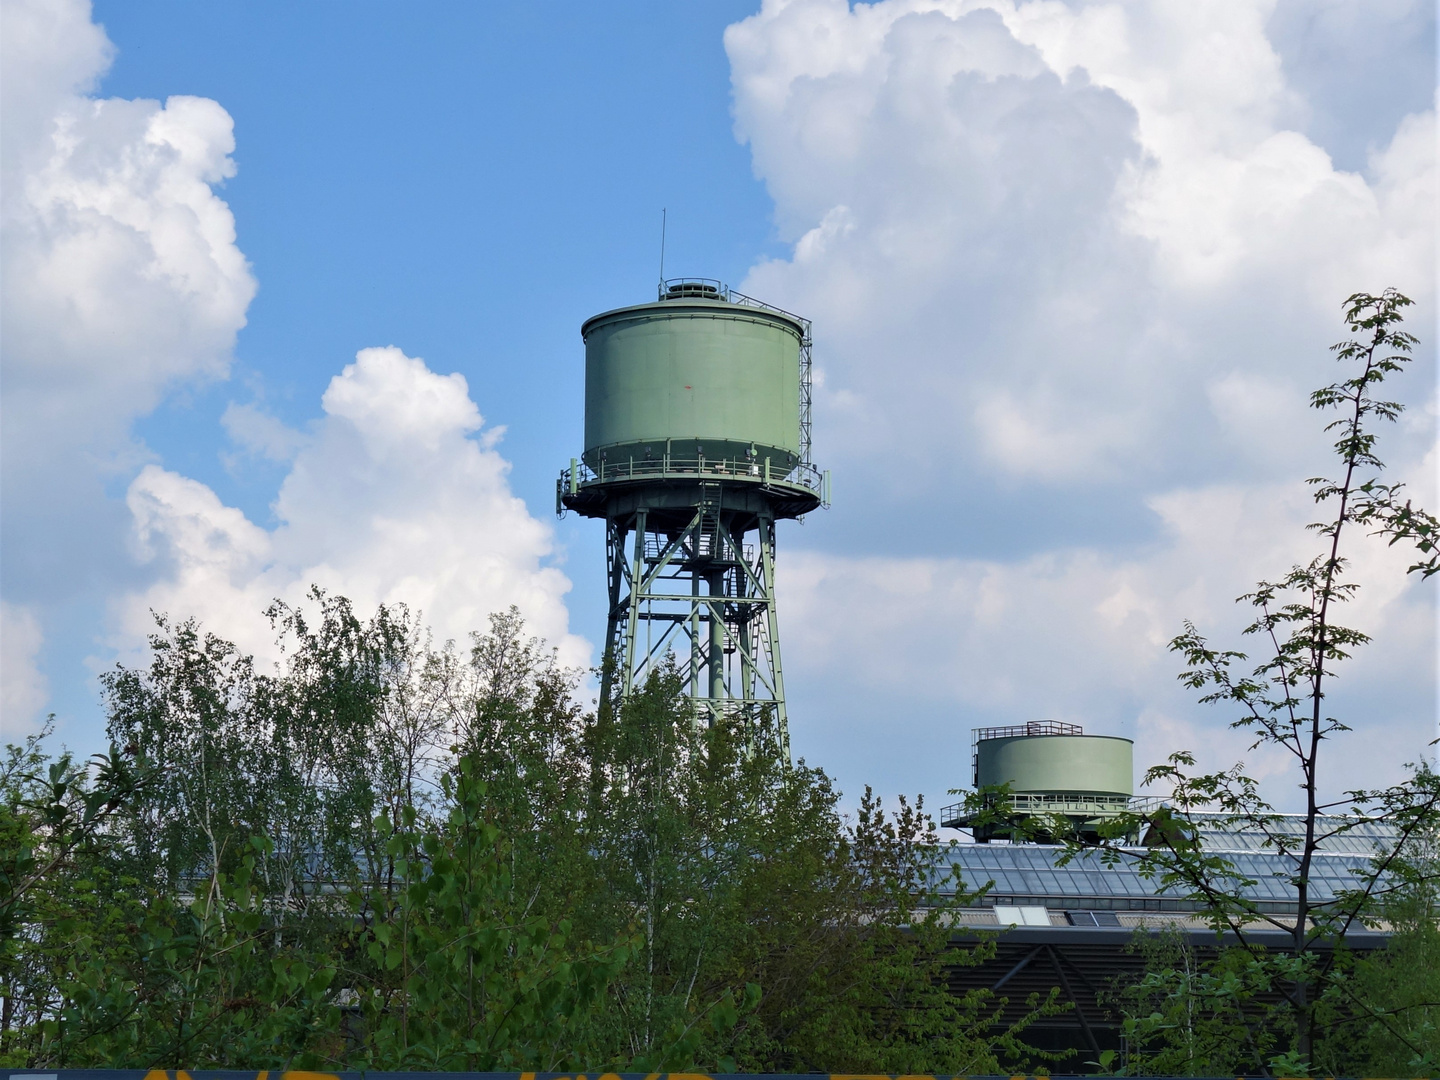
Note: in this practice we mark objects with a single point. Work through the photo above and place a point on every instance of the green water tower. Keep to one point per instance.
(697, 441)
(1053, 773)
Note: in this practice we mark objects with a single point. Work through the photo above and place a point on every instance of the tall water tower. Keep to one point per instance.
(697, 441)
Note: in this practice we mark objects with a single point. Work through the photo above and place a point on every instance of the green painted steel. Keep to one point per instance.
(692, 379)
(693, 590)
(697, 441)
(1058, 764)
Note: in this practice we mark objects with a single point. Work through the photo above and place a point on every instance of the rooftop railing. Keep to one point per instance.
(1032, 727)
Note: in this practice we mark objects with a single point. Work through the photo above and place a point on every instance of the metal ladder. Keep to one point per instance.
(709, 520)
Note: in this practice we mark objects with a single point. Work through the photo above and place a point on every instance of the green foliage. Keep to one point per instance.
(50, 809)
(166, 981)
(1389, 1014)
(463, 980)
(1224, 1011)
(743, 874)
(1194, 1015)
(390, 855)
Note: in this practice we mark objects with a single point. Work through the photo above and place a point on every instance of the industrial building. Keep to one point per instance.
(1072, 923)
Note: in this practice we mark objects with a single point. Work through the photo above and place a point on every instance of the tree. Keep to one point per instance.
(1282, 701)
(751, 888)
(464, 977)
(1397, 1029)
(390, 855)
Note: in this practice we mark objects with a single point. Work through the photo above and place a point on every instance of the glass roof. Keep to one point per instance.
(1358, 836)
(1031, 871)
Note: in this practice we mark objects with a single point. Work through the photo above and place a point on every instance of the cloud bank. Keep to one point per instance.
(394, 496)
(121, 281)
(1073, 270)
(122, 284)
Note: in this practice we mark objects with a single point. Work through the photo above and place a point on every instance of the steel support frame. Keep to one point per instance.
(701, 593)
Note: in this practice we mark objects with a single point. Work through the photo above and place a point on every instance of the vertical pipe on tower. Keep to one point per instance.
(637, 578)
(716, 582)
(772, 629)
(744, 615)
(695, 639)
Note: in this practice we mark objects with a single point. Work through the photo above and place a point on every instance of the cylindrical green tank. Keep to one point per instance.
(1056, 764)
(688, 379)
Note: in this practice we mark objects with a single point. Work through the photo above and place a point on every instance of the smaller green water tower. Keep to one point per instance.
(1051, 770)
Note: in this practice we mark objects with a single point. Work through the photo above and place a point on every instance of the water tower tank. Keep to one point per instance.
(1057, 764)
(693, 378)
(1054, 772)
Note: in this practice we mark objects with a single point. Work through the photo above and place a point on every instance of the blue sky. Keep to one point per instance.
(1072, 269)
(468, 180)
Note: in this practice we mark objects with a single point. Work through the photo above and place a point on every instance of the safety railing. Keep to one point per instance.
(1066, 804)
(1033, 727)
(761, 471)
(692, 288)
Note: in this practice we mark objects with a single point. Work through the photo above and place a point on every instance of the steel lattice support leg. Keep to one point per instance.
(767, 563)
(615, 661)
(697, 593)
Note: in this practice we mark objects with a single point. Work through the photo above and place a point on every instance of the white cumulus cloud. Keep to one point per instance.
(1073, 269)
(23, 687)
(1056, 222)
(124, 282)
(121, 281)
(121, 271)
(904, 652)
(397, 495)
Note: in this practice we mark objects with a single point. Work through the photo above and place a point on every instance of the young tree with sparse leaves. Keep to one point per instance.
(1297, 1009)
